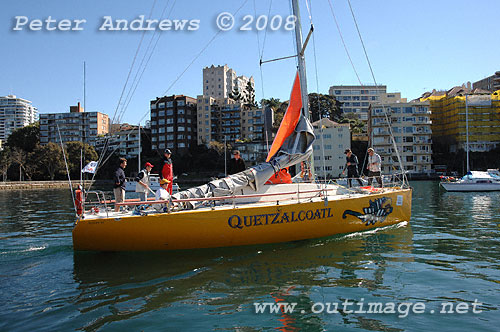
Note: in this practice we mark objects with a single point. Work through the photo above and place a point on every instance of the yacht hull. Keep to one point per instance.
(228, 226)
(464, 187)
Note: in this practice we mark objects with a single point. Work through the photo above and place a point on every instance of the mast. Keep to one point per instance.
(302, 72)
(301, 58)
(467, 131)
(139, 150)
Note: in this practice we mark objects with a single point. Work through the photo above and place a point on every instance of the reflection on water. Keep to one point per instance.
(226, 281)
(447, 253)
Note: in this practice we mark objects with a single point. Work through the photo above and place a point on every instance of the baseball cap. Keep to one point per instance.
(163, 181)
(168, 151)
(148, 164)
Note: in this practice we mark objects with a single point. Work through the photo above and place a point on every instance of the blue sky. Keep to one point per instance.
(414, 46)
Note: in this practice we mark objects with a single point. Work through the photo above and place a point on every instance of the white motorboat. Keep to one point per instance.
(473, 181)
(154, 184)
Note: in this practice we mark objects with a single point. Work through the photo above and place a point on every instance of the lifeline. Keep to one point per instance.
(235, 221)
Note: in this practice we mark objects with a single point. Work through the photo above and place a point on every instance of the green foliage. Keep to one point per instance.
(49, 159)
(74, 153)
(249, 99)
(26, 138)
(357, 126)
(5, 162)
(274, 103)
(324, 106)
(235, 94)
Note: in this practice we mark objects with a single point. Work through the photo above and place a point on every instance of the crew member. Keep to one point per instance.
(143, 182)
(352, 167)
(236, 164)
(374, 168)
(119, 183)
(167, 171)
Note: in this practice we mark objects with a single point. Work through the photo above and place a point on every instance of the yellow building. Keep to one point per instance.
(448, 115)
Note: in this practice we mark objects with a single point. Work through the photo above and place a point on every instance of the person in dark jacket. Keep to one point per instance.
(236, 164)
(352, 167)
(119, 183)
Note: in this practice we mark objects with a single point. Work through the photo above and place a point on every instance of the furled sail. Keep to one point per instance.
(292, 144)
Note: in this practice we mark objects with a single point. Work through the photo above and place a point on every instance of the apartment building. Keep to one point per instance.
(173, 123)
(332, 139)
(224, 118)
(125, 140)
(15, 113)
(355, 99)
(411, 127)
(77, 125)
(449, 121)
(490, 83)
(220, 81)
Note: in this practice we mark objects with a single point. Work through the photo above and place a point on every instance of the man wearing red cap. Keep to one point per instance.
(143, 181)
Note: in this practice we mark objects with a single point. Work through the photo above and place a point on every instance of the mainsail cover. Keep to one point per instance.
(293, 144)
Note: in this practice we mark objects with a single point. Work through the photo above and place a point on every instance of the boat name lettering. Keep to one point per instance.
(236, 221)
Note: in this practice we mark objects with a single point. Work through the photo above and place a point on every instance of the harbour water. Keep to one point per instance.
(445, 263)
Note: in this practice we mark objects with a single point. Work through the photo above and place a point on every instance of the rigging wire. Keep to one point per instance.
(200, 53)
(106, 144)
(137, 81)
(343, 42)
(403, 173)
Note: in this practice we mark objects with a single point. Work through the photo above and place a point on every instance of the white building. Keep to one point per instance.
(220, 81)
(125, 141)
(331, 141)
(356, 99)
(411, 127)
(15, 113)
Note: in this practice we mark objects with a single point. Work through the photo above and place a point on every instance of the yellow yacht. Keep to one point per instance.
(242, 209)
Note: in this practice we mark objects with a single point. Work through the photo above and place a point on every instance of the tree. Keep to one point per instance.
(49, 158)
(274, 103)
(249, 98)
(74, 152)
(235, 94)
(324, 106)
(20, 157)
(5, 162)
(357, 126)
(26, 138)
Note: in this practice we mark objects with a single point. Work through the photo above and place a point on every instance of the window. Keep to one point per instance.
(181, 103)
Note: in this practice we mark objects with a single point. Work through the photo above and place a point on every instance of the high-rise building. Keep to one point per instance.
(449, 121)
(222, 119)
(332, 139)
(77, 125)
(221, 81)
(490, 83)
(173, 123)
(411, 128)
(15, 113)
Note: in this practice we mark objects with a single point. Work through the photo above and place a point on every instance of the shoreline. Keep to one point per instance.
(34, 185)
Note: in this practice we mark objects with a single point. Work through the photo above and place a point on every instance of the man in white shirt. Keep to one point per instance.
(143, 182)
(162, 194)
(374, 168)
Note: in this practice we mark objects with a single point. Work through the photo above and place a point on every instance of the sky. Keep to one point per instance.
(413, 47)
